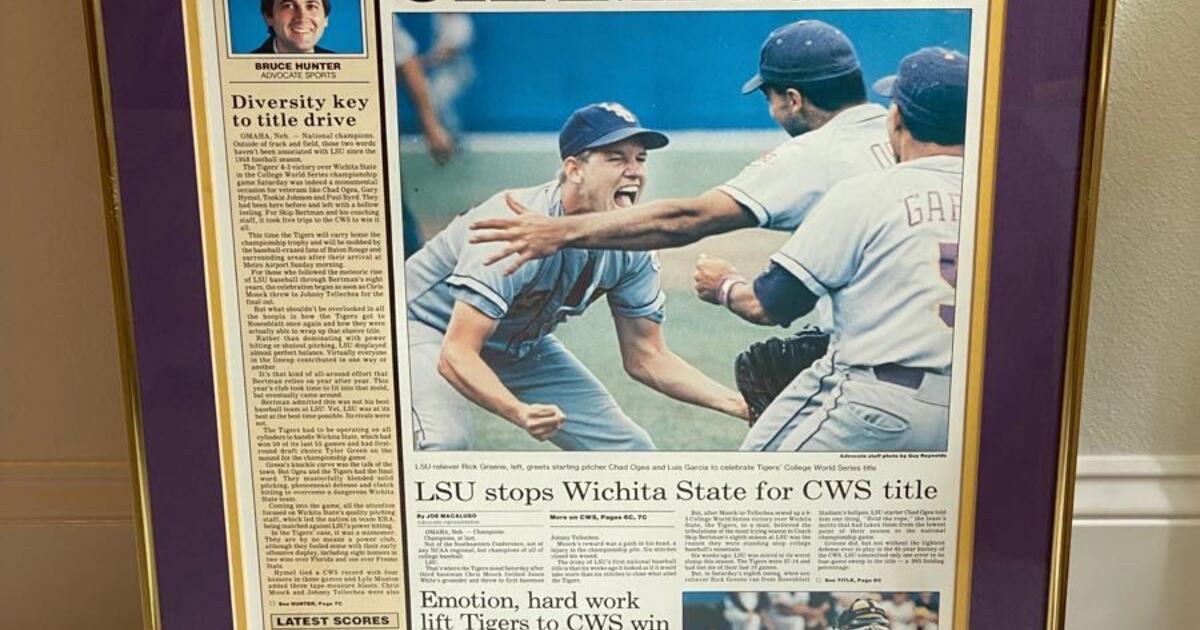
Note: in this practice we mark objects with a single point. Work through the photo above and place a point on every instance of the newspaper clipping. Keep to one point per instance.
(592, 315)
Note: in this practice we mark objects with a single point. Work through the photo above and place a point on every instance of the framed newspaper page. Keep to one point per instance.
(843, 247)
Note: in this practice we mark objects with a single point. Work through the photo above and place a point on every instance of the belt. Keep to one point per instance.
(897, 374)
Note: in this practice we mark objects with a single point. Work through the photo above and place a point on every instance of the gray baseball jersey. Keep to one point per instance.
(884, 247)
(528, 305)
(782, 186)
(531, 302)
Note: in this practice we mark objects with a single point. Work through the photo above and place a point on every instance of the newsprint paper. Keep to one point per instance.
(480, 271)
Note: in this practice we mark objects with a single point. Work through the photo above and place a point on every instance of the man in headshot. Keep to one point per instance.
(295, 26)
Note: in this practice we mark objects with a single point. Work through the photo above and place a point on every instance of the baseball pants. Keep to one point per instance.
(838, 409)
(548, 374)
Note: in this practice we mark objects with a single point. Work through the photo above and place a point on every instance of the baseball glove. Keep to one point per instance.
(766, 367)
(863, 614)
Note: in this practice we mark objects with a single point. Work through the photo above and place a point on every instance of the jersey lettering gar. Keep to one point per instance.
(531, 302)
(884, 247)
(781, 187)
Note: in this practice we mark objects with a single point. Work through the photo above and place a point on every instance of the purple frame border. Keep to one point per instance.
(1043, 107)
(1043, 98)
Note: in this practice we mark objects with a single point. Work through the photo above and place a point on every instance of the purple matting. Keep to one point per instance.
(1041, 126)
(157, 177)
(1042, 101)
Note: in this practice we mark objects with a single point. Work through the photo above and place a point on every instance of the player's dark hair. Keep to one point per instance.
(582, 156)
(267, 7)
(945, 136)
(830, 95)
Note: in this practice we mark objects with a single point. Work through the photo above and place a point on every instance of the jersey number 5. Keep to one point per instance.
(948, 263)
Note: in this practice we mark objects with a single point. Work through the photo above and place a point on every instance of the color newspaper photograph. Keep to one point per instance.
(295, 27)
(696, 231)
(810, 610)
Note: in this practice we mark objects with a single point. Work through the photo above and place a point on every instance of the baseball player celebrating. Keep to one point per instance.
(489, 334)
(813, 83)
(884, 247)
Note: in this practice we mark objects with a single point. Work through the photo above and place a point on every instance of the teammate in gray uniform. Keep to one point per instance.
(811, 77)
(884, 247)
(437, 139)
(489, 334)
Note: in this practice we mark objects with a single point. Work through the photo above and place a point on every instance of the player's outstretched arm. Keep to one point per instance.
(656, 225)
(718, 282)
(461, 364)
(649, 361)
(437, 139)
(775, 297)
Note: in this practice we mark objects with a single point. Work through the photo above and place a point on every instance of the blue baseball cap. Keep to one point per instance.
(930, 90)
(599, 124)
(808, 51)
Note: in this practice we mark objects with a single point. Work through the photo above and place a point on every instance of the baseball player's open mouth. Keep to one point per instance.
(626, 196)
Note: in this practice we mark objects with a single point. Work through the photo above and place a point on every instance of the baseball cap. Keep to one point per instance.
(863, 614)
(802, 52)
(599, 124)
(930, 89)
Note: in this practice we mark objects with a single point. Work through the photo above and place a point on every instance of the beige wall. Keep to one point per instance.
(67, 547)
(1137, 511)
(65, 527)
(1142, 385)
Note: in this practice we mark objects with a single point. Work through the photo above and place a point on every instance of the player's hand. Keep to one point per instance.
(439, 56)
(737, 407)
(527, 235)
(710, 273)
(741, 409)
(440, 143)
(540, 421)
